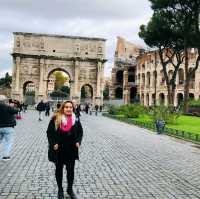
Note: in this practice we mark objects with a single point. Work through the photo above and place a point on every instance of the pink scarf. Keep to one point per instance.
(66, 127)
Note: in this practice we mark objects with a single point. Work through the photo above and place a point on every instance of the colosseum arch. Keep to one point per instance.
(36, 55)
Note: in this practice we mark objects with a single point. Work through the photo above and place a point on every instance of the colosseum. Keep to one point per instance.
(137, 75)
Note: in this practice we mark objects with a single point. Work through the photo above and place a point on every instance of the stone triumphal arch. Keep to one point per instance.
(36, 56)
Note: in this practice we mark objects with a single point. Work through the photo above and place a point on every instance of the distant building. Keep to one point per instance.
(138, 75)
(123, 82)
(152, 86)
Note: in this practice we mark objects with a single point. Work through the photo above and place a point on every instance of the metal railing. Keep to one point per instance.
(186, 135)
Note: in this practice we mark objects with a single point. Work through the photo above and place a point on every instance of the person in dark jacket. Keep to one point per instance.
(47, 109)
(7, 124)
(78, 111)
(86, 108)
(58, 105)
(41, 108)
(96, 109)
(64, 135)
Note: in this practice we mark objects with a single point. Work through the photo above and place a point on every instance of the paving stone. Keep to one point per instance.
(117, 160)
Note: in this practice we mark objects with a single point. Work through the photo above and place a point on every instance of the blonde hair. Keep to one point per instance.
(58, 114)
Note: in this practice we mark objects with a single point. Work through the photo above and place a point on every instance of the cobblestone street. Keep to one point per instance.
(117, 160)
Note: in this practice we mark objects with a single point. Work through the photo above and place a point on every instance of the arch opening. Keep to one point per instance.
(161, 98)
(58, 85)
(119, 93)
(29, 92)
(119, 76)
(86, 93)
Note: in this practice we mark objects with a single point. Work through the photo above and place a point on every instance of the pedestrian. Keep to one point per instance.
(18, 105)
(78, 111)
(90, 109)
(64, 137)
(47, 109)
(25, 107)
(7, 124)
(40, 108)
(58, 105)
(100, 108)
(96, 109)
(86, 108)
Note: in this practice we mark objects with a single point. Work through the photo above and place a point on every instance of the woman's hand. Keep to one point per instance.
(55, 147)
(77, 145)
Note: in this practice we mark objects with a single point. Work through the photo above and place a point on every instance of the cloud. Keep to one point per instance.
(96, 9)
(94, 18)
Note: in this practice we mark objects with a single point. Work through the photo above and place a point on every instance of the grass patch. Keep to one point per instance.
(184, 123)
(186, 127)
(143, 118)
(187, 123)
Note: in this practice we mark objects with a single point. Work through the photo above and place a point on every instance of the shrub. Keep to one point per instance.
(131, 110)
(195, 103)
(168, 114)
(113, 110)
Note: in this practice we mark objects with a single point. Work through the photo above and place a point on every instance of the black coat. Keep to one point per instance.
(7, 116)
(47, 107)
(67, 149)
(41, 106)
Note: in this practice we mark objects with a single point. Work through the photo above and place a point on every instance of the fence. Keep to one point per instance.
(195, 137)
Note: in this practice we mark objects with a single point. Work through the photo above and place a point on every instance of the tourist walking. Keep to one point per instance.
(100, 108)
(58, 105)
(47, 109)
(96, 109)
(64, 137)
(90, 109)
(78, 111)
(7, 124)
(86, 108)
(40, 108)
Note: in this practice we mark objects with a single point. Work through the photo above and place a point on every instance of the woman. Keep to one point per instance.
(64, 136)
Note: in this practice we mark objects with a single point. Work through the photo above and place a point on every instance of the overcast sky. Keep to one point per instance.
(95, 18)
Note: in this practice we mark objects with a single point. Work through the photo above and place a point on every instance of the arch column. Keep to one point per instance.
(113, 82)
(197, 84)
(150, 99)
(102, 83)
(145, 99)
(146, 80)
(157, 98)
(75, 93)
(158, 78)
(98, 98)
(41, 94)
(16, 77)
(17, 64)
(166, 99)
(152, 80)
(126, 94)
(177, 79)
